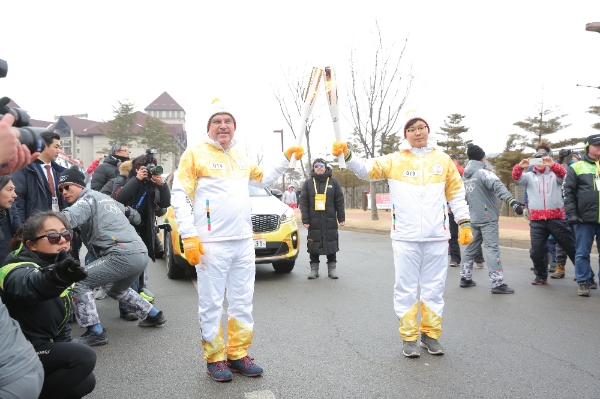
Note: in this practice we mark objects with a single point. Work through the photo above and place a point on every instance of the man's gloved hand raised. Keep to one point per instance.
(68, 270)
(516, 206)
(298, 150)
(464, 233)
(338, 148)
(193, 249)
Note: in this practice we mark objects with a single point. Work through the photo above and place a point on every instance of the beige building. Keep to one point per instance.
(84, 139)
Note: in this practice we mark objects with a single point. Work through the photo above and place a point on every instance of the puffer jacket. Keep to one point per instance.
(210, 191)
(323, 231)
(40, 304)
(104, 227)
(581, 194)
(422, 181)
(141, 195)
(482, 186)
(544, 191)
(107, 170)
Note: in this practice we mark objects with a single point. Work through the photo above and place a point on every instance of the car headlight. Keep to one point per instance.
(288, 216)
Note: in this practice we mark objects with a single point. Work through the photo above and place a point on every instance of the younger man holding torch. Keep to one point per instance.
(422, 181)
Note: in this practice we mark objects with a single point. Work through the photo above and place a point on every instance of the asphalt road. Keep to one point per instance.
(339, 338)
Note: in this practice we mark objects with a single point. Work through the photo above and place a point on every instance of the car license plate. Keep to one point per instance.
(260, 243)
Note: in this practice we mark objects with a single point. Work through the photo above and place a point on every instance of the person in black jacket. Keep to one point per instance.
(137, 189)
(110, 167)
(9, 220)
(36, 184)
(322, 207)
(582, 206)
(35, 283)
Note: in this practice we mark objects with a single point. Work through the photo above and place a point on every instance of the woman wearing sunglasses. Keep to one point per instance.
(36, 280)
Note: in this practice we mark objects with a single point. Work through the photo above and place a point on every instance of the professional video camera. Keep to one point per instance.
(150, 167)
(30, 136)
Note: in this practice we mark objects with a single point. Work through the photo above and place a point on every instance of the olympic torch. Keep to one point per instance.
(332, 100)
(309, 102)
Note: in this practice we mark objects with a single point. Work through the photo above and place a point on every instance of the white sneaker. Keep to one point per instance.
(99, 293)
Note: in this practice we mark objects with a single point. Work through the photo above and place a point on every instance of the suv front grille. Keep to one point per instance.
(265, 223)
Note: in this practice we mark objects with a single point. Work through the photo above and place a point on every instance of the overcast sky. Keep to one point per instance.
(494, 64)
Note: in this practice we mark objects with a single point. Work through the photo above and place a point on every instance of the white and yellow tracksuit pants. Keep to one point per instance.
(226, 265)
(425, 263)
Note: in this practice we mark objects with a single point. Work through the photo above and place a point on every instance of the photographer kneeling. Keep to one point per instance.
(137, 188)
(121, 255)
(36, 288)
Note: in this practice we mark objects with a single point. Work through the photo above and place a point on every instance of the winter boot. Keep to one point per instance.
(331, 270)
(314, 271)
(560, 272)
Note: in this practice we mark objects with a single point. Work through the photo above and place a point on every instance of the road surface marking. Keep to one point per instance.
(259, 395)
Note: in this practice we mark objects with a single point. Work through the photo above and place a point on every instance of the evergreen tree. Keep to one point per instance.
(452, 130)
(595, 110)
(154, 133)
(390, 143)
(543, 125)
(121, 127)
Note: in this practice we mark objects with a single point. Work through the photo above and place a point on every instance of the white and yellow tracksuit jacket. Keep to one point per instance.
(210, 191)
(422, 181)
(211, 201)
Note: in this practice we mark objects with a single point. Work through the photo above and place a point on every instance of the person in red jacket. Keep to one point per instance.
(90, 170)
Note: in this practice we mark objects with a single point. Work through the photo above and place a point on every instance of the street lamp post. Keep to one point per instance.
(282, 176)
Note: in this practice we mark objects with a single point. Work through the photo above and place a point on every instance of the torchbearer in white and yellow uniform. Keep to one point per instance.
(422, 181)
(212, 204)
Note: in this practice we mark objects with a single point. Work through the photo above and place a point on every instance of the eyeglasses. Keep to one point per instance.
(319, 165)
(218, 122)
(64, 188)
(421, 128)
(54, 238)
(125, 150)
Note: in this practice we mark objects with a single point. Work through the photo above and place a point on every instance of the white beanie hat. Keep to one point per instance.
(218, 107)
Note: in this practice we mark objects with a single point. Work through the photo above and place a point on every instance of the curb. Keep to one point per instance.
(503, 242)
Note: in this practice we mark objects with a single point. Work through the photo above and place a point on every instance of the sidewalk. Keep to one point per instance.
(514, 232)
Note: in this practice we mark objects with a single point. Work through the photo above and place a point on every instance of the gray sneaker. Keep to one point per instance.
(432, 345)
(410, 349)
(90, 338)
(584, 289)
(503, 289)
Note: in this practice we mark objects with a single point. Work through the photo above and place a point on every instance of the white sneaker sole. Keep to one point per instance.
(440, 352)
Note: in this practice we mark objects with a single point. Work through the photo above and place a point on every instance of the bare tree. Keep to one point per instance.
(377, 95)
(291, 101)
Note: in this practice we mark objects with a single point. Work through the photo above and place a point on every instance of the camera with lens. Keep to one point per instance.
(30, 136)
(151, 167)
(563, 154)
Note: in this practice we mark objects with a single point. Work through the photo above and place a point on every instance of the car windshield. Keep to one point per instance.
(258, 192)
